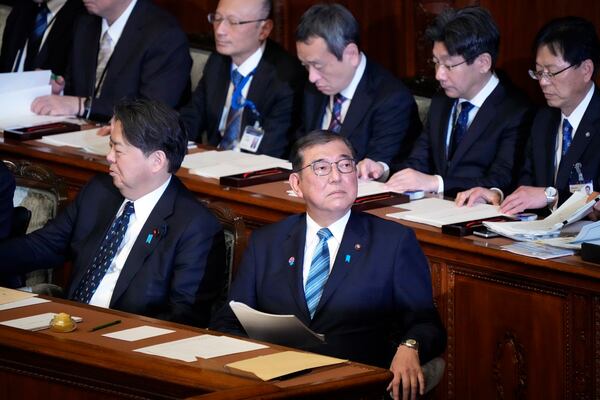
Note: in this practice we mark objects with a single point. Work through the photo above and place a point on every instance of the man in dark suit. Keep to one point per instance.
(7, 191)
(270, 97)
(472, 129)
(563, 151)
(139, 242)
(360, 280)
(350, 94)
(126, 48)
(49, 47)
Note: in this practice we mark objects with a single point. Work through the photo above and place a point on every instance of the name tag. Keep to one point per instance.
(587, 187)
(251, 138)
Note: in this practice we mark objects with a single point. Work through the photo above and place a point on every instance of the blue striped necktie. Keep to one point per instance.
(103, 259)
(234, 116)
(318, 273)
(35, 38)
(336, 114)
(567, 136)
(460, 127)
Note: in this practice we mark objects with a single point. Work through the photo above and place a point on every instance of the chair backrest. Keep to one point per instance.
(236, 237)
(20, 221)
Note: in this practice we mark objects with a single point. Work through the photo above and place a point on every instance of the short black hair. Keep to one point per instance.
(267, 8)
(151, 125)
(573, 38)
(316, 137)
(331, 22)
(467, 32)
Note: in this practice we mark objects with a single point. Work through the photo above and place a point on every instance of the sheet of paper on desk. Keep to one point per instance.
(438, 212)
(86, 140)
(537, 250)
(203, 346)
(139, 333)
(215, 164)
(34, 322)
(572, 236)
(30, 301)
(9, 295)
(280, 364)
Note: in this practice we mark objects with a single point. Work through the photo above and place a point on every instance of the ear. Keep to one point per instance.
(294, 181)
(265, 30)
(587, 69)
(484, 62)
(351, 54)
(158, 161)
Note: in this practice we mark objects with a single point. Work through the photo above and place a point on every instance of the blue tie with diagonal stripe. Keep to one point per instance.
(35, 38)
(103, 259)
(234, 117)
(567, 136)
(318, 273)
(336, 114)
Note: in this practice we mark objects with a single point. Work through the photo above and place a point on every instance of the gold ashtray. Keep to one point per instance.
(62, 323)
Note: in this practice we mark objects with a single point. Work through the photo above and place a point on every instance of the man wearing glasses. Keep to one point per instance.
(360, 280)
(473, 127)
(249, 93)
(563, 151)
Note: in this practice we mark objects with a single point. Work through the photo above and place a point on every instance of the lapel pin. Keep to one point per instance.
(292, 261)
(587, 134)
(357, 246)
(149, 238)
(347, 258)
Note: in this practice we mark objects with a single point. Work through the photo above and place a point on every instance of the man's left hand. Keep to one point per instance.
(407, 372)
(56, 105)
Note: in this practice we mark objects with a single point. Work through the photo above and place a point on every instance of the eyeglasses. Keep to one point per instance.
(323, 168)
(538, 75)
(436, 64)
(215, 19)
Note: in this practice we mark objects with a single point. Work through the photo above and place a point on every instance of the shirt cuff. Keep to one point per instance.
(440, 184)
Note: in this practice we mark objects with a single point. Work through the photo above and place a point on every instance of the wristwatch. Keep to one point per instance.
(411, 343)
(551, 194)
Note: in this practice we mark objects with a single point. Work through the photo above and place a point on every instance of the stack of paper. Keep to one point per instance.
(215, 164)
(86, 140)
(576, 207)
(438, 212)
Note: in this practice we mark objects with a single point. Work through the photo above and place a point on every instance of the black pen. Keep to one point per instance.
(106, 325)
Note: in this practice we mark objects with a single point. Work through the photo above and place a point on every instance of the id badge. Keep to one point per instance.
(251, 138)
(587, 187)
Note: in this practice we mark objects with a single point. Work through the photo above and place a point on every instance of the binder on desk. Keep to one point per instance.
(256, 177)
(38, 131)
(379, 200)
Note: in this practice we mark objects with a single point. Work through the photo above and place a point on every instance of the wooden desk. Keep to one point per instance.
(518, 327)
(87, 365)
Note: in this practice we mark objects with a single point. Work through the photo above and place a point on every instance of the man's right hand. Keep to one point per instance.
(524, 198)
(369, 169)
(477, 195)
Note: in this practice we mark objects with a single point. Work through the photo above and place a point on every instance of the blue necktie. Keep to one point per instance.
(234, 117)
(318, 273)
(336, 114)
(567, 136)
(35, 38)
(103, 259)
(460, 127)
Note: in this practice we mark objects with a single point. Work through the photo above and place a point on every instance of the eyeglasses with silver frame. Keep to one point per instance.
(539, 75)
(323, 168)
(214, 18)
(437, 64)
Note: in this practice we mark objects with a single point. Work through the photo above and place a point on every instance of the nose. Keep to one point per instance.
(313, 74)
(219, 28)
(440, 73)
(110, 157)
(335, 174)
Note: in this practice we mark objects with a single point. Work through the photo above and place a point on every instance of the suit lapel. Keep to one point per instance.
(361, 101)
(89, 55)
(439, 128)
(352, 250)
(153, 231)
(293, 251)
(258, 87)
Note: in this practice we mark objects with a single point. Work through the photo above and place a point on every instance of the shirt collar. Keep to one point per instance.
(145, 204)
(484, 93)
(251, 62)
(348, 91)
(577, 114)
(55, 5)
(116, 29)
(337, 228)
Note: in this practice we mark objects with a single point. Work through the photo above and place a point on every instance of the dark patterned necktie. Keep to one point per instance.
(318, 273)
(234, 116)
(36, 35)
(103, 259)
(336, 113)
(567, 136)
(460, 127)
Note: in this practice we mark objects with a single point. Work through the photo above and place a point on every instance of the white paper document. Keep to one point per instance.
(537, 250)
(139, 333)
(586, 232)
(34, 322)
(86, 140)
(23, 303)
(576, 207)
(215, 164)
(286, 330)
(438, 212)
(203, 346)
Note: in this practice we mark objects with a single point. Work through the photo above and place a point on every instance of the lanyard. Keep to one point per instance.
(238, 101)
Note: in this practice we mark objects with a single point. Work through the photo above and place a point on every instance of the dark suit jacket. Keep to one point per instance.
(174, 277)
(276, 89)
(151, 60)
(56, 50)
(7, 191)
(382, 120)
(370, 303)
(486, 155)
(585, 148)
